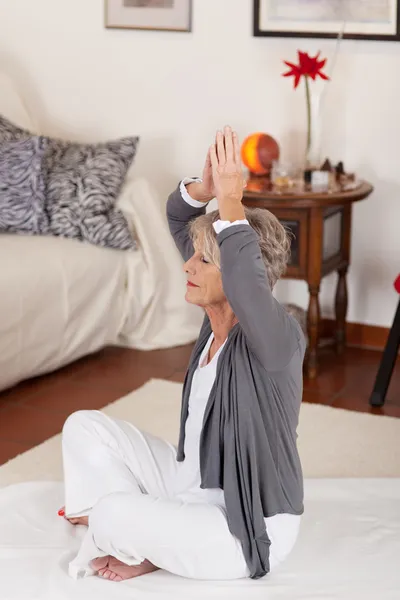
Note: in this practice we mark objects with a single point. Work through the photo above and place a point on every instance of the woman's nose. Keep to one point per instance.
(188, 267)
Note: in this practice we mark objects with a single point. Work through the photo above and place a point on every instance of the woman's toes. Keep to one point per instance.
(79, 521)
(99, 563)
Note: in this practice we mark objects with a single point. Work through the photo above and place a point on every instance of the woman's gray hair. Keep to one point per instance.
(273, 238)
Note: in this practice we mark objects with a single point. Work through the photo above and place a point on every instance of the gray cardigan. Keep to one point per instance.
(248, 442)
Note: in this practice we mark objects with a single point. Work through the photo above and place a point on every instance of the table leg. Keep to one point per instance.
(341, 309)
(313, 320)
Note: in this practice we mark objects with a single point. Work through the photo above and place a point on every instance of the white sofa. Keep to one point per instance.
(61, 299)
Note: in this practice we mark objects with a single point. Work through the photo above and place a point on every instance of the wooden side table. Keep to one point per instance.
(321, 228)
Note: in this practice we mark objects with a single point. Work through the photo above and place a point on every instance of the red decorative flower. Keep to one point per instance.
(309, 66)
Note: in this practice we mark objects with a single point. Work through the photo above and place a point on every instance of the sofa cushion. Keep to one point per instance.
(10, 132)
(83, 182)
(22, 186)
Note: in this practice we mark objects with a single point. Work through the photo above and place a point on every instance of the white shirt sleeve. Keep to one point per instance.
(185, 194)
(221, 225)
(218, 225)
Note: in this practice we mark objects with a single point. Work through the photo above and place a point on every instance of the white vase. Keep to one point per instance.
(313, 140)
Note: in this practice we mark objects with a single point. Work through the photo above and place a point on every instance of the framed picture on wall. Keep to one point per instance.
(357, 19)
(160, 15)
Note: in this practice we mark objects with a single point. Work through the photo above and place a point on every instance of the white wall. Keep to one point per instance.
(175, 89)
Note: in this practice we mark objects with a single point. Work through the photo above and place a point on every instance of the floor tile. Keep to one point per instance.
(24, 391)
(315, 397)
(363, 380)
(362, 405)
(356, 396)
(9, 450)
(124, 373)
(128, 361)
(72, 396)
(178, 376)
(27, 425)
(338, 372)
(30, 387)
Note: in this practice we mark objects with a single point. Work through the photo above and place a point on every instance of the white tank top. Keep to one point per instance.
(189, 480)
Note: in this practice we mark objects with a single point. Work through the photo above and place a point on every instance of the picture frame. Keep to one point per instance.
(367, 20)
(151, 15)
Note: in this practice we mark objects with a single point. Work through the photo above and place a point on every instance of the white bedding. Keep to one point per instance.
(348, 549)
(61, 299)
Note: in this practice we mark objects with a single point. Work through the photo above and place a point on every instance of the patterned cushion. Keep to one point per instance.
(9, 131)
(22, 186)
(83, 182)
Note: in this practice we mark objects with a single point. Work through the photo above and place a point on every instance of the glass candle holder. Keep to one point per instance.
(283, 175)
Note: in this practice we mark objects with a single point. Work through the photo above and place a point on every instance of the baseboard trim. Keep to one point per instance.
(359, 335)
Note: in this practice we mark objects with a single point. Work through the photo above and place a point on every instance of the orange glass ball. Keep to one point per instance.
(258, 152)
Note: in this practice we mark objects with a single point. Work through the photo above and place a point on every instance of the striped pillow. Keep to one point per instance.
(83, 182)
(83, 185)
(10, 132)
(22, 186)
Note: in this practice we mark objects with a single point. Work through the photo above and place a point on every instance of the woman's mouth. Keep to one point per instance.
(190, 284)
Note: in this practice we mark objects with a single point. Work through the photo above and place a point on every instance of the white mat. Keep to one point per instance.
(349, 542)
(332, 442)
(348, 549)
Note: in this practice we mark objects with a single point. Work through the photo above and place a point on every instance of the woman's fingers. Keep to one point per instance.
(208, 160)
(213, 158)
(221, 148)
(236, 149)
(226, 150)
(229, 150)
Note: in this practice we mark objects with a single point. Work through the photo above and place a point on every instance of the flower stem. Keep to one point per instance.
(308, 101)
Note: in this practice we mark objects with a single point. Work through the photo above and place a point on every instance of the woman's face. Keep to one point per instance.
(204, 281)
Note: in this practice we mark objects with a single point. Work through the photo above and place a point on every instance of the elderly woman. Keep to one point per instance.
(227, 503)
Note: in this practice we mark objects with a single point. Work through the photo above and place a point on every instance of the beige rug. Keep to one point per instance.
(332, 442)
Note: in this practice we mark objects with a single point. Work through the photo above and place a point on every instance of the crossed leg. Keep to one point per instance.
(191, 540)
(103, 456)
(123, 481)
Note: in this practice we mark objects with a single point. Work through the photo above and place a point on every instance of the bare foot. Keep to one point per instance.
(75, 520)
(113, 569)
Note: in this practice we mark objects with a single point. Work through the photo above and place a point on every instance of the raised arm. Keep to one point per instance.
(272, 334)
(179, 215)
(186, 203)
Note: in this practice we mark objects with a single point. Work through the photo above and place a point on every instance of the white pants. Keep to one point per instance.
(125, 480)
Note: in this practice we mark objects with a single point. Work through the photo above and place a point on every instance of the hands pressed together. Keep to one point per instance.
(223, 177)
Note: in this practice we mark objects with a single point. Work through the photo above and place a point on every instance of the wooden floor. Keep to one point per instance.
(36, 410)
